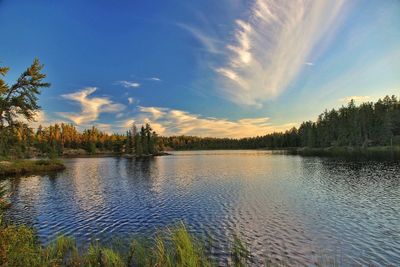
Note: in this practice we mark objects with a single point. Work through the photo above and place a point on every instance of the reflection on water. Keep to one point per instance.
(284, 207)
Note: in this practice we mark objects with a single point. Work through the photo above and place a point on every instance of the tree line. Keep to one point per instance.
(369, 124)
(58, 139)
(18, 106)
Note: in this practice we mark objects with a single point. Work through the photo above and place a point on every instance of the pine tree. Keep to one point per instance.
(20, 99)
(138, 147)
(129, 142)
(149, 139)
(133, 137)
(143, 138)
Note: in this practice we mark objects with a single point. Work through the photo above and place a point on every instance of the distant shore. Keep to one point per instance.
(391, 152)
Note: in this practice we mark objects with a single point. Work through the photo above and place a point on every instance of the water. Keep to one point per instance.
(284, 207)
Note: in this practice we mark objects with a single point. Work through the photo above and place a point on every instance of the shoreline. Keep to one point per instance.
(374, 152)
(110, 155)
(350, 152)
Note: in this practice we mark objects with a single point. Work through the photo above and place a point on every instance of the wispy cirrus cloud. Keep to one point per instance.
(272, 46)
(91, 107)
(128, 84)
(156, 79)
(210, 44)
(177, 122)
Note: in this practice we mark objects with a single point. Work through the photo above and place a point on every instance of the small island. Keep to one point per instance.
(21, 167)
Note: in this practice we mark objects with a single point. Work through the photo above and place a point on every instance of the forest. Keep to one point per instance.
(369, 124)
(365, 125)
(64, 139)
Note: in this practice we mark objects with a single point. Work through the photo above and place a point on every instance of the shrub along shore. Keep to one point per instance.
(21, 167)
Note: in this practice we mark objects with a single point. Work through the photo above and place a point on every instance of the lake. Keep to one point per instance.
(284, 207)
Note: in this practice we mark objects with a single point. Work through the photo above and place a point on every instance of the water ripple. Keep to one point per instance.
(286, 208)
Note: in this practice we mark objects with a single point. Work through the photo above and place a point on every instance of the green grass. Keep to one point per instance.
(240, 254)
(173, 247)
(20, 167)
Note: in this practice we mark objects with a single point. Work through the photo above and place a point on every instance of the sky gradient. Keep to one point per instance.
(227, 68)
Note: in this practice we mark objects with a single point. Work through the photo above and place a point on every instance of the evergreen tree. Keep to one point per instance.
(149, 139)
(129, 142)
(138, 147)
(144, 140)
(20, 99)
(133, 136)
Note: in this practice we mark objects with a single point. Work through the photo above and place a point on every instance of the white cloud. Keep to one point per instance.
(309, 64)
(126, 124)
(131, 100)
(270, 48)
(155, 112)
(169, 122)
(41, 118)
(91, 107)
(156, 79)
(129, 84)
(356, 98)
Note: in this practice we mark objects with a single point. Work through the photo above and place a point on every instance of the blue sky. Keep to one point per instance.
(211, 68)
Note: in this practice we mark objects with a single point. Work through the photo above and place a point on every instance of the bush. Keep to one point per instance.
(20, 167)
(91, 148)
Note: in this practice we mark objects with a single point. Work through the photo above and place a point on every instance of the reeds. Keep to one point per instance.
(172, 247)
